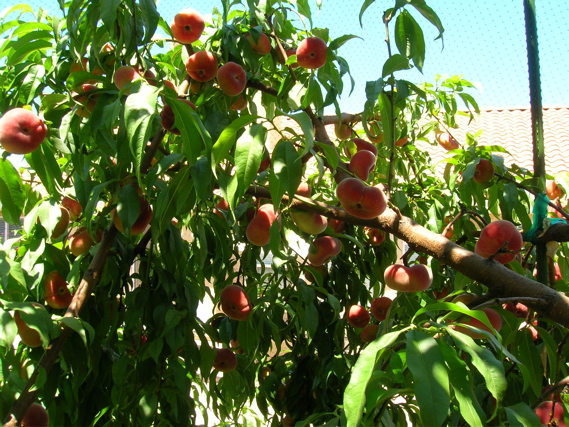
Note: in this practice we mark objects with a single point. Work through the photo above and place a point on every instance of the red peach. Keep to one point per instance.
(400, 278)
(232, 78)
(358, 316)
(361, 200)
(187, 26)
(311, 53)
(21, 131)
(235, 303)
(202, 66)
(497, 235)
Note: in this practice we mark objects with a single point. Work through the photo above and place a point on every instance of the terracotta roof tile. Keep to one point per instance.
(511, 129)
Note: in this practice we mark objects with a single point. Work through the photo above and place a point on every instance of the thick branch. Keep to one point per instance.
(500, 280)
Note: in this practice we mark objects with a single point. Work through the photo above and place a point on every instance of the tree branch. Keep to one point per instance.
(500, 280)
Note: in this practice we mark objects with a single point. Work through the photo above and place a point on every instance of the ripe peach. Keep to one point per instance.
(56, 291)
(262, 46)
(21, 131)
(265, 163)
(552, 190)
(86, 103)
(225, 360)
(231, 78)
(361, 144)
(28, 335)
(235, 303)
(144, 218)
(551, 413)
(73, 206)
(369, 333)
(401, 142)
(168, 117)
(222, 205)
(520, 310)
(494, 318)
(187, 26)
(202, 66)
(309, 222)
(126, 75)
(380, 306)
(81, 241)
(446, 140)
(258, 230)
(497, 235)
(361, 200)
(239, 104)
(358, 316)
(321, 269)
(337, 225)
(342, 131)
(35, 416)
(311, 53)
(400, 278)
(61, 225)
(304, 189)
(362, 163)
(484, 171)
(375, 236)
(323, 249)
(79, 66)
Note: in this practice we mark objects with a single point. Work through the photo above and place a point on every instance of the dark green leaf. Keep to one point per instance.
(430, 377)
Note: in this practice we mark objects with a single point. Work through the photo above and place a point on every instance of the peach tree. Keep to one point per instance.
(204, 233)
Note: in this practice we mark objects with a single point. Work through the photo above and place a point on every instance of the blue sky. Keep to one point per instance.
(484, 41)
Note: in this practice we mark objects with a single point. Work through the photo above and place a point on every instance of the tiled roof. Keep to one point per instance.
(511, 129)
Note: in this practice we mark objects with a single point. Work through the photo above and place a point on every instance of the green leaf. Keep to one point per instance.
(430, 377)
(463, 386)
(248, 157)
(139, 112)
(531, 366)
(307, 130)
(367, 3)
(23, 51)
(355, 392)
(82, 328)
(484, 361)
(395, 63)
(522, 415)
(12, 194)
(430, 15)
(149, 18)
(409, 39)
(226, 140)
(286, 171)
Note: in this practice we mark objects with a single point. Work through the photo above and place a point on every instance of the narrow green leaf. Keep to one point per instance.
(531, 366)
(139, 112)
(430, 15)
(430, 377)
(367, 3)
(395, 63)
(522, 415)
(226, 140)
(248, 157)
(355, 392)
(26, 49)
(463, 386)
(307, 130)
(484, 361)
(12, 194)
(286, 171)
